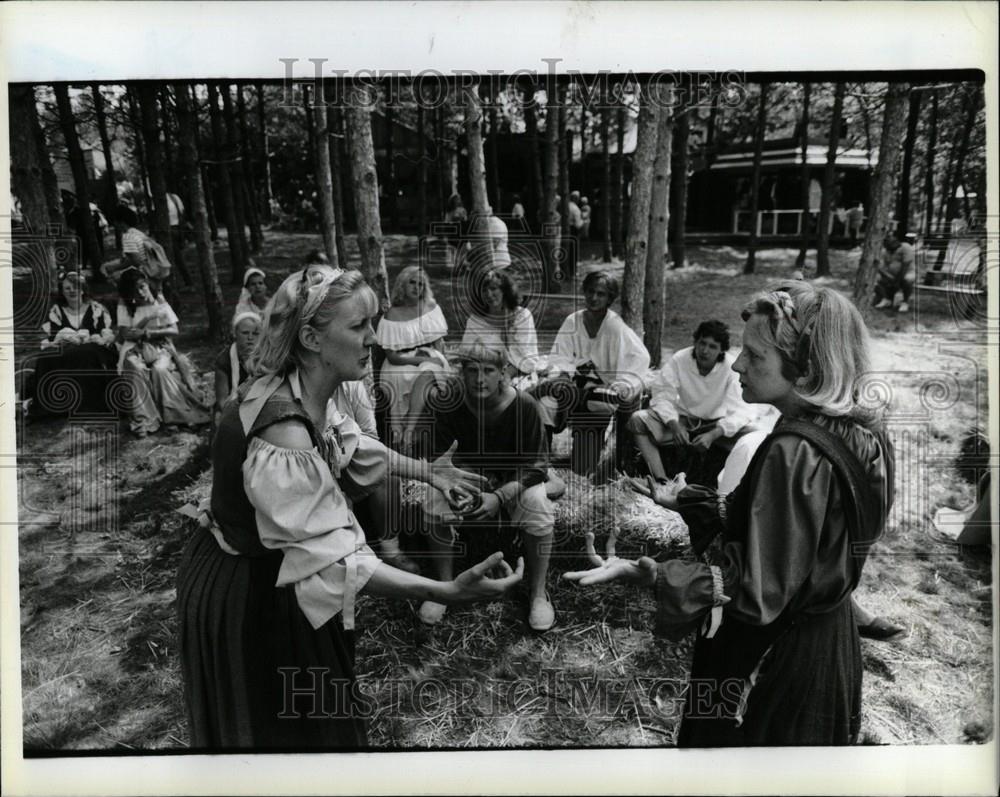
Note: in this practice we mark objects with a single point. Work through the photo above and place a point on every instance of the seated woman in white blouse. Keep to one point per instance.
(497, 319)
(412, 335)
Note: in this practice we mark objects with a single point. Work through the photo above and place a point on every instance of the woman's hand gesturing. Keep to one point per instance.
(641, 571)
(476, 583)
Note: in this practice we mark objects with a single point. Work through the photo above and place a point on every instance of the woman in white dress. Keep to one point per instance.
(498, 320)
(254, 296)
(412, 335)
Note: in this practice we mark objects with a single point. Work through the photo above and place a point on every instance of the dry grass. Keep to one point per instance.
(99, 667)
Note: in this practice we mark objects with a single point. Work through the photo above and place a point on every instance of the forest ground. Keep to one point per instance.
(99, 543)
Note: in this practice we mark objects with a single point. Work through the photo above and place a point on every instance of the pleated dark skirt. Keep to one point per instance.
(808, 690)
(256, 674)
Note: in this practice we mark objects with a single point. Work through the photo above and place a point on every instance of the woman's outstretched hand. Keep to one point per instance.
(663, 494)
(611, 568)
(477, 583)
(447, 477)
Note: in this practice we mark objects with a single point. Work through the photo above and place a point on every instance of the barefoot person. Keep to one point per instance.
(778, 661)
(267, 590)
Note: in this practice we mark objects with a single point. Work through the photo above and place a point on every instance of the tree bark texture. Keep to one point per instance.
(237, 256)
(903, 204)
(932, 124)
(537, 201)
(422, 228)
(679, 188)
(140, 149)
(637, 240)
(618, 198)
(474, 145)
(806, 217)
(335, 125)
(324, 182)
(659, 216)
(758, 154)
(829, 183)
(91, 252)
(265, 161)
(883, 194)
(605, 175)
(250, 186)
(237, 175)
(550, 219)
(364, 181)
(110, 189)
(187, 122)
(391, 191)
(26, 174)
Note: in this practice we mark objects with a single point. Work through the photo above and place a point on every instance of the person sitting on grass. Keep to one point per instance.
(897, 273)
(596, 368)
(165, 391)
(499, 434)
(696, 406)
(231, 364)
(254, 296)
(79, 347)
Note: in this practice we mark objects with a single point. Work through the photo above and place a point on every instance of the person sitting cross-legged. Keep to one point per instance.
(696, 407)
(500, 436)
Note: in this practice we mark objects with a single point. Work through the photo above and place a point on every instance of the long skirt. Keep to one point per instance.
(256, 674)
(161, 393)
(806, 690)
(74, 379)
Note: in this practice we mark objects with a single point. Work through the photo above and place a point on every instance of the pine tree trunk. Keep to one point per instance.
(364, 181)
(50, 183)
(253, 214)
(800, 261)
(494, 171)
(679, 189)
(829, 177)
(883, 194)
(336, 128)
(903, 204)
(550, 219)
(236, 261)
(324, 182)
(474, 145)
(637, 242)
(265, 160)
(160, 226)
(605, 175)
(564, 162)
(758, 154)
(618, 202)
(91, 251)
(659, 215)
(422, 228)
(391, 192)
(140, 150)
(26, 170)
(187, 124)
(110, 188)
(443, 171)
(531, 131)
(206, 173)
(929, 167)
(168, 150)
(233, 154)
(973, 96)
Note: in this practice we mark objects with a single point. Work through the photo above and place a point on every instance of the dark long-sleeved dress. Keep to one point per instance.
(265, 602)
(784, 666)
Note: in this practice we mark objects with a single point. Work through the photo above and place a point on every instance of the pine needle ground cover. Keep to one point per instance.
(97, 567)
